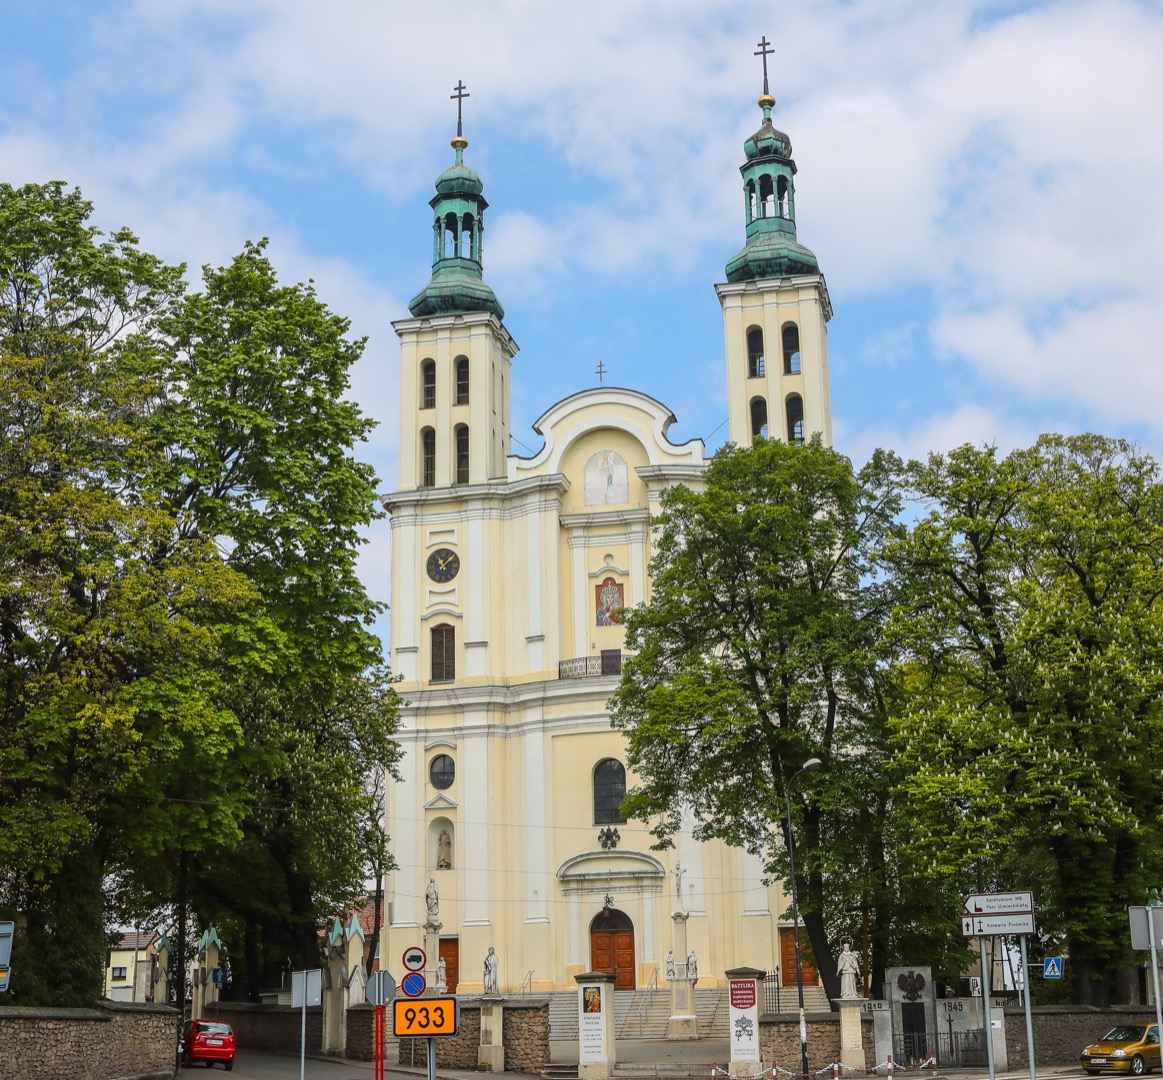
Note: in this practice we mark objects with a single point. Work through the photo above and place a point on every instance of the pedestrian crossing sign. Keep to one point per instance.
(1052, 967)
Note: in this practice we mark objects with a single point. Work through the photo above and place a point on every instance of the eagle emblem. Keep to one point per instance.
(912, 984)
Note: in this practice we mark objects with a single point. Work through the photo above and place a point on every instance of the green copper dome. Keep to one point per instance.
(459, 179)
(457, 285)
(772, 249)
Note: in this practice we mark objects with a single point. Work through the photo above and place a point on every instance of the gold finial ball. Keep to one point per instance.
(459, 142)
(766, 101)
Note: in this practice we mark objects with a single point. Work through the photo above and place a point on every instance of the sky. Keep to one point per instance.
(980, 179)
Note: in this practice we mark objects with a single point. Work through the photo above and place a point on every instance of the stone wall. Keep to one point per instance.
(779, 1040)
(525, 1033)
(1061, 1031)
(269, 1027)
(112, 1040)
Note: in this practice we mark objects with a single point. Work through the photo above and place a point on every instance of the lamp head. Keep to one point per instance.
(811, 765)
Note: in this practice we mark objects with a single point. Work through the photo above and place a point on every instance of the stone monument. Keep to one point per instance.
(744, 991)
(597, 1053)
(849, 1002)
(491, 1052)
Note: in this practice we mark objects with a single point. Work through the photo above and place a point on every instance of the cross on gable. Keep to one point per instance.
(765, 51)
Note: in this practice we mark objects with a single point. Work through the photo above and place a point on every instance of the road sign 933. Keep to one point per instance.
(421, 1017)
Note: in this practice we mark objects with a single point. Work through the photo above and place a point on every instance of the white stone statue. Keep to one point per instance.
(432, 899)
(670, 965)
(848, 968)
(491, 965)
(444, 851)
(692, 968)
(441, 976)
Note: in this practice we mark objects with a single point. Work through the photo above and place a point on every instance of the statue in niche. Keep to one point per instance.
(670, 965)
(491, 966)
(444, 851)
(692, 968)
(848, 968)
(432, 900)
(441, 976)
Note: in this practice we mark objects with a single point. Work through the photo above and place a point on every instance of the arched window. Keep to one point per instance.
(781, 196)
(443, 653)
(467, 236)
(451, 235)
(791, 349)
(751, 211)
(795, 419)
(609, 791)
(461, 454)
(428, 458)
(756, 366)
(758, 418)
(428, 384)
(766, 197)
(442, 770)
(462, 380)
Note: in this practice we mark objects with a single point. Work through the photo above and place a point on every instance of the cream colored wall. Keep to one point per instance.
(770, 305)
(525, 742)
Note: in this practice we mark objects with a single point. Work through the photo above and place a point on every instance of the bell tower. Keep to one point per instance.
(455, 353)
(775, 303)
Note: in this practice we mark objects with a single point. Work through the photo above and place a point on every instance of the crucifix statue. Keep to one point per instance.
(678, 872)
(765, 51)
(461, 93)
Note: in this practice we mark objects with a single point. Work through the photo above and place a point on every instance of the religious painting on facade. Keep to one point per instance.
(606, 479)
(610, 601)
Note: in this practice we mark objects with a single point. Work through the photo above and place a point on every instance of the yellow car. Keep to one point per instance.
(1132, 1048)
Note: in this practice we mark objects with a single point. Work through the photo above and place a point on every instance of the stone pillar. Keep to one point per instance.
(491, 1052)
(432, 952)
(684, 1024)
(597, 1051)
(851, 1039)
(743, 994)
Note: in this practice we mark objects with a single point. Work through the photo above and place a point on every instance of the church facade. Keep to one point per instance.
(507, 576)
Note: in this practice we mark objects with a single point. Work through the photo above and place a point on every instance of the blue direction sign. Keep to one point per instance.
(1052, 967)
(413, 984)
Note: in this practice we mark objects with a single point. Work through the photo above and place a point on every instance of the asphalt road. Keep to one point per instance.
(258, 1065)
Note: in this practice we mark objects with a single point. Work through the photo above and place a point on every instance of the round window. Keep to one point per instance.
(442, 772)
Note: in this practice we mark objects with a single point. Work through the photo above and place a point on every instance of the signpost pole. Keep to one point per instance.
(303, 1034)
(431, 1058)
(1152, 911)
(987, 986)
(1029, 1018)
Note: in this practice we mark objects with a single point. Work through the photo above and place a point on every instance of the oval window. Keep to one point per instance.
(442, 772)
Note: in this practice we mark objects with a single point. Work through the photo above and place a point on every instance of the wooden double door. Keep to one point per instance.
(612, 947)
(787, 958)
(450, 954)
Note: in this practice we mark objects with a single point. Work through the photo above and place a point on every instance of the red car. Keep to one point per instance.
(208, 1041)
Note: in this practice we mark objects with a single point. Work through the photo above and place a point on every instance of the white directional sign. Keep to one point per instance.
(999, 903)
(991, 925)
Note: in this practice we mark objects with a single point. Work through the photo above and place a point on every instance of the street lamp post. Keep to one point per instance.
(808, 766)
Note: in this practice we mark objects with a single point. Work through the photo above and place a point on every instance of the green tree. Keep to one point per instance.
(755, 652)
(111, 656)
(261, 455)
(1030, 627)
(192, 695)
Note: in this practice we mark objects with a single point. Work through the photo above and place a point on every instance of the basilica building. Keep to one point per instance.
(507, 576)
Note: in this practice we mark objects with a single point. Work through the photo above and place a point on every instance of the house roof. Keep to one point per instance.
(135, 940)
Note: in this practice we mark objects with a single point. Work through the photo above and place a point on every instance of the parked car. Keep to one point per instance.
(208, 1041)
(1132, 1048)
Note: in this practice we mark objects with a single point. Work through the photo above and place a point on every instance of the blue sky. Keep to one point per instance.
(980, 181)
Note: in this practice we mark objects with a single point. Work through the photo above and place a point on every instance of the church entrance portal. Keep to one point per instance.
(787, 952)
(612, 947)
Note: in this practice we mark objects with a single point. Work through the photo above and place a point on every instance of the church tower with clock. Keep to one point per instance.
(507, 576)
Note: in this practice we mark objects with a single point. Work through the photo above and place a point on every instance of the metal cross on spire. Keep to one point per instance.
(600, 371)
(765, 51)
(459, 96)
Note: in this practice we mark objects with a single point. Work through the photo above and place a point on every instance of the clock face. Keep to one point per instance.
(443, 564)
